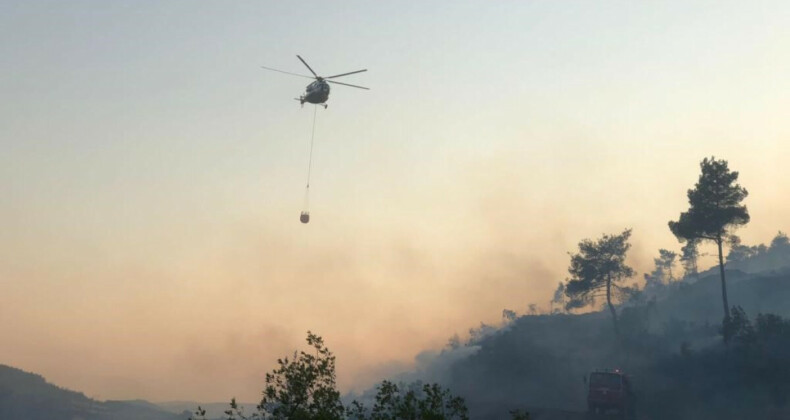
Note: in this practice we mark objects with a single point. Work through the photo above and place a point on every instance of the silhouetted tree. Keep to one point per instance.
(599, 267)
(714, 208)
(689, 257)
(559, 297)
(508, 316)
(780, 241)
(666, 260)
(302, 388)
(740, 252)
(477, 334)
(662, 273)
(426, 402)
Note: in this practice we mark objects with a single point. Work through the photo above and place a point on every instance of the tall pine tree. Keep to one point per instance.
(714, 209)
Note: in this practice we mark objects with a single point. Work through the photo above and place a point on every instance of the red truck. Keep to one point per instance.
(610, 390)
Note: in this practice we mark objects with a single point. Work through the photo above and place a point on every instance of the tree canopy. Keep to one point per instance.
(599, 267)
(714, 204)
(304, 388)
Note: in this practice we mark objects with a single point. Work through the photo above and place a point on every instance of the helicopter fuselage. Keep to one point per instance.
(316, 92)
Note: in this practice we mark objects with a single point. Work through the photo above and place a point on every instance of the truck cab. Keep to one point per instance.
(610, 390)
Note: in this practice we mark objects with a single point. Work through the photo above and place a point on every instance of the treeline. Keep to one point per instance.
(304, 387)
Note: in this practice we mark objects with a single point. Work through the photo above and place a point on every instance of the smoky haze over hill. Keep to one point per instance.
(672, 349)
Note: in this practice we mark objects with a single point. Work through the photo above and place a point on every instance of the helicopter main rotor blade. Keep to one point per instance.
(346, 84)
(345, 74)
(287, 72)
(306, 65)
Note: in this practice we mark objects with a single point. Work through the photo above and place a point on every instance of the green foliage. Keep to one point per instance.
(304, 388)
(598, 265)
(426, 402)
(301, 388)
(714, 204)
(598, 268)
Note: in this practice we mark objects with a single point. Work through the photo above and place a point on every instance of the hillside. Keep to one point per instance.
(538, 362)
(27, 396)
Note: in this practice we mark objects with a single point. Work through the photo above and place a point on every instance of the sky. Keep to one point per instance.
(152, 174)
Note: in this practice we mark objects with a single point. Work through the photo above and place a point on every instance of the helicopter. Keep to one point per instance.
(317, 92)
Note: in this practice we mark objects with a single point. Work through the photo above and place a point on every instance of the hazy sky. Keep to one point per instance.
(152, 175)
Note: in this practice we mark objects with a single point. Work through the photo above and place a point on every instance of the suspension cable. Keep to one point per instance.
(312, 138)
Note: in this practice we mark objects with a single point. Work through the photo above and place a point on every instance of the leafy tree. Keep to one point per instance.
(426, 402)
(598, 268)
(714, 208)
(302, 388)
